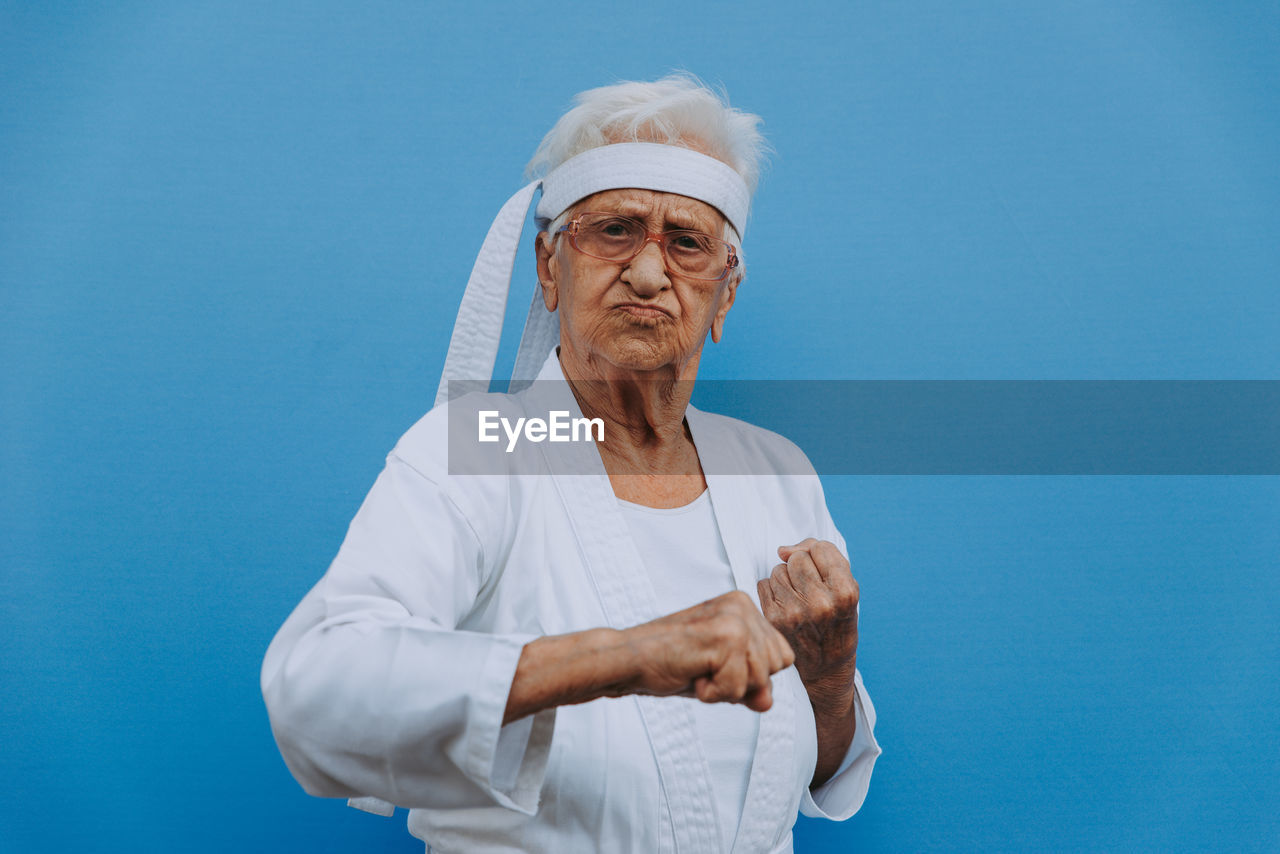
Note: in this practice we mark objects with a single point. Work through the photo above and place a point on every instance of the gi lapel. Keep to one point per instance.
(627, 598)
(736, 499)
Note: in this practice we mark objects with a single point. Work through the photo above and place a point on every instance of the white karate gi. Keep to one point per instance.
(390, 679)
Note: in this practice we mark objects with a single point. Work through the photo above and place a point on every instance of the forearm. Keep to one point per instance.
(561, 670)
(835, 717)
(721, 650)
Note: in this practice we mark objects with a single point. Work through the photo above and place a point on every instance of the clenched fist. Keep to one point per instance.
(722, 650)
(813, 601)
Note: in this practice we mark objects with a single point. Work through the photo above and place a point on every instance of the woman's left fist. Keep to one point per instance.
(812, 600)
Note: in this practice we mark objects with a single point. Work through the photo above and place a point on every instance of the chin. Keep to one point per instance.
(640, 355)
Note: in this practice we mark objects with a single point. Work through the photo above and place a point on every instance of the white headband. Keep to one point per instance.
(473, 347)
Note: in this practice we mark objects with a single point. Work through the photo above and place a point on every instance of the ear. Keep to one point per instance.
(548, 270)
(727, 297)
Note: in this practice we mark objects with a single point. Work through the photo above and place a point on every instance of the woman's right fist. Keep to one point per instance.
(720, 651)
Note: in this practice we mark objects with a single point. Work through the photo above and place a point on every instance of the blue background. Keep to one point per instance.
(232, 239)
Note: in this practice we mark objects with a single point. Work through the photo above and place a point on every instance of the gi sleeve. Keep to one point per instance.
(373, 691)
(842, 795)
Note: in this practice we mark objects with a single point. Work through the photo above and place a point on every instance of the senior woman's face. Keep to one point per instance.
(639, 315)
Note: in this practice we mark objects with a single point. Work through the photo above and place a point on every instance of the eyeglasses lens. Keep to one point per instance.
(688, 253)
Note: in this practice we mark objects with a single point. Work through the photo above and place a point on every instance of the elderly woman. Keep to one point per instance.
(649, 643)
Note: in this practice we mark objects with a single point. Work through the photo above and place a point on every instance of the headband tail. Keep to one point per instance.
(473, 347)
(541, 333)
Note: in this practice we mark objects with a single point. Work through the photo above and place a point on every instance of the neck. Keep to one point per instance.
(643, 410)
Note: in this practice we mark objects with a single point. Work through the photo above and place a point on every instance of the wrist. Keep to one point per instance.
(834, 692)
(621, 650)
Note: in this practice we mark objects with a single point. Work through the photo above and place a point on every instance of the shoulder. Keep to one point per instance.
(781, 475)
(739, 447)
(425, 446)
(443, 442)
(441, 449)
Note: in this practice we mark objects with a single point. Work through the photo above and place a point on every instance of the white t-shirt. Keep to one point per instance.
(687, 563)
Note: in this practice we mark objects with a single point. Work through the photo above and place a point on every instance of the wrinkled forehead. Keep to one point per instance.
(658, 209)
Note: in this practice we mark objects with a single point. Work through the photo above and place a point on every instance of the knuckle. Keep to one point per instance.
(731, 631)
(845, 592)
(831, 556)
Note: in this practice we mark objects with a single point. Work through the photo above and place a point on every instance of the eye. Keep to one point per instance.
(613, 227)
(691, 241)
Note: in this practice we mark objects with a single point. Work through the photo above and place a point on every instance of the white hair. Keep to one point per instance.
(678, 110)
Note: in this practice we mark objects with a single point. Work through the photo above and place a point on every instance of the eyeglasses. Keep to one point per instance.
(616, 238)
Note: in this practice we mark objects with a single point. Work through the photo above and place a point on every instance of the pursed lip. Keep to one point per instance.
(643, 309)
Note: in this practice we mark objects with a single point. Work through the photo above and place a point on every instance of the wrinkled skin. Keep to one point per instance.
(617, 320)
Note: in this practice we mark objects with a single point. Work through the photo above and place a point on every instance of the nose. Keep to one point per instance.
(647, 272)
